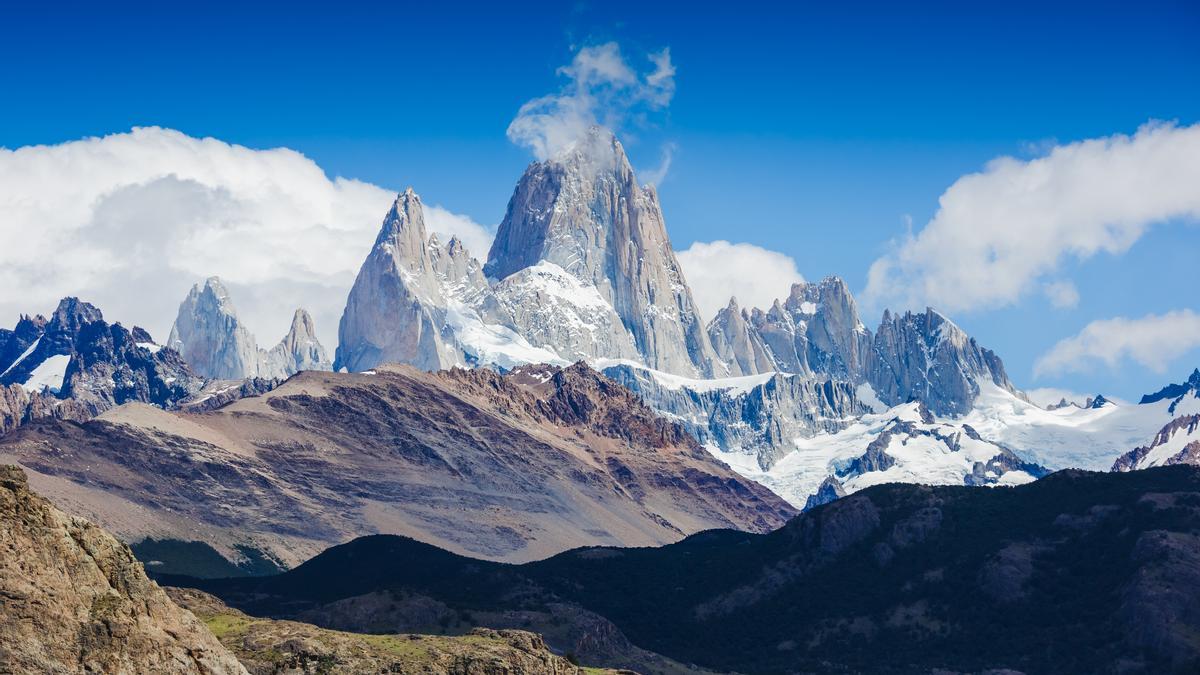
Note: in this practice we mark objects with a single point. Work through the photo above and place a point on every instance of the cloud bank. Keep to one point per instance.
(130, 221)
(754, 275)
(1153, 341)
(601, 88)
(1000, 233)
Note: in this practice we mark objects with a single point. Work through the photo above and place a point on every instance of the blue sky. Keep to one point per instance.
(814, 130)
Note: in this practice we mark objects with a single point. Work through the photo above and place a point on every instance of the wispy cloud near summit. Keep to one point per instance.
(601, 88)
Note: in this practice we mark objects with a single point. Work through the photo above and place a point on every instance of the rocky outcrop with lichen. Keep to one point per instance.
(75, 600)
(269, 646)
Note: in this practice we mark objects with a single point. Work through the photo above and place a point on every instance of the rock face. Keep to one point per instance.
(1176, 393)
(77, 601)
(76, 365)
(738, 344)
(299, 350)
(511, 467)
(414, 298)
(585, 212)
(816, 332)
(212, 339)
(829, 491)
(758, 416)
(209, 335)
(816, 329)
(927, 357)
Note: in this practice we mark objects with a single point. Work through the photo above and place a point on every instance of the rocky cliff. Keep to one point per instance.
(77, 601)
(298, 350)
(410, 296)
(76, 365)
(217, 345)
(585, 213)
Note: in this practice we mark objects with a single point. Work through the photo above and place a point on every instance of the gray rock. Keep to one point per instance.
(102, 366)
(397, 308)
(830, 490)
(299, 350)
(927, 357)
(816, 330)
(211, 337)
(737, 344)
(584, 212)
(760, 421)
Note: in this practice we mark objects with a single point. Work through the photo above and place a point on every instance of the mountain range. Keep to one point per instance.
(795, 396)
(550, 438)
(509, 467)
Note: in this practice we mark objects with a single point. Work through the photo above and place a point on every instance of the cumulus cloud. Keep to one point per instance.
(999, 233)
(1061, 294)
(754, 275)
(1152, 341)
(601, 88)
(445, 224)
(130, 221)
(1048, 396)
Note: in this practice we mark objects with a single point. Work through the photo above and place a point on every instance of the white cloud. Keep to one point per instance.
(658, 174)
(1000, 232)
(1152, 341)
(130, 221)
(754, 275)
(475, 237)
(1061, 294)
(601, 89)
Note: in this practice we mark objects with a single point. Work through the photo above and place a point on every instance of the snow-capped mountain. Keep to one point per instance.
(584, 212)
(1178, 442)
(213, 340)
(904, 444)
(417, 302)
(582, 269)
(75, 365)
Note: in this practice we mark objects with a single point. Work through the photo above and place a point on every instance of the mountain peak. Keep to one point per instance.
(585, 212)
(72, 313)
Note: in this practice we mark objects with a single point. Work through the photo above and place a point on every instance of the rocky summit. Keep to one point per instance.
(76, 365)
(585, 213)
(505, 467)
(213, 340)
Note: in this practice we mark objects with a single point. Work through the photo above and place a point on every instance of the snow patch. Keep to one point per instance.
(22, 357)
(494, 344)
(150, 346)
(49, 373)
(735, 386)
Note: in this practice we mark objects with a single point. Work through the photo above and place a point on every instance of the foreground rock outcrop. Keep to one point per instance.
(75, 600)
(268, 646)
